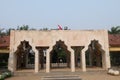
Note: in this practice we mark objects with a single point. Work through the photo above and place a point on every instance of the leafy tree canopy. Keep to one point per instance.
(114, 30)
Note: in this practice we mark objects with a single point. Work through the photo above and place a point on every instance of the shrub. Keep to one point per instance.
(5, 75)
(1, 77)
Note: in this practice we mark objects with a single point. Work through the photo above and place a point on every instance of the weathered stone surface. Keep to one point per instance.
(49, 38)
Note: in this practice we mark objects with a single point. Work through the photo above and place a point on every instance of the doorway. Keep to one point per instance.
(94, 54)
(24, 56)
(59, 56)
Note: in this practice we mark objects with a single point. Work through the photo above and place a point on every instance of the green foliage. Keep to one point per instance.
(66, 28)
(59, 54)
(2, 33)
(1, 77)
(5, 75)
(44, 29)
(8, 31)
(114, 30)
(24, 27)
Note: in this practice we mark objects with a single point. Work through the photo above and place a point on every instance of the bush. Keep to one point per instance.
(5, 75)
(1, 77)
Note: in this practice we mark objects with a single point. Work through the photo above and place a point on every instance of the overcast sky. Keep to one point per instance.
(76, 14)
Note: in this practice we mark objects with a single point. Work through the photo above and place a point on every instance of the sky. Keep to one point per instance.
(75, 14)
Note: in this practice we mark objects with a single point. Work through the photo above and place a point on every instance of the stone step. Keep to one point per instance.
(61, 78)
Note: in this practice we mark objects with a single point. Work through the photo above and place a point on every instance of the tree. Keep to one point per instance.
(66, 28)
(1, 29)
(114, 30)
(24, 27)
(8, 31)
(2, 32)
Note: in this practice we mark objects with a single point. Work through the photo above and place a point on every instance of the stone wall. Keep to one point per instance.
(49, 38)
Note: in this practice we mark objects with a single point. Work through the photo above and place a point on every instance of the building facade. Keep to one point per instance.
(75, 43)
(4, 51)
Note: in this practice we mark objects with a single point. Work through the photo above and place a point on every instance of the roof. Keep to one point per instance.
(114, 40)
(4, 41)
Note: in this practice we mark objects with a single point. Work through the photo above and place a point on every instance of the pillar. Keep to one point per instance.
(12, 62)
(48, 61)
(106, 60)
(83, 60)
(36, 61)
(72, 60)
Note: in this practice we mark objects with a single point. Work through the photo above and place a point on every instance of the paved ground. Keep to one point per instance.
(89, 75)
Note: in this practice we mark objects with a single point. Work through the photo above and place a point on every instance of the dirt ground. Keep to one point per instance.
(89, 75)
(83, 77)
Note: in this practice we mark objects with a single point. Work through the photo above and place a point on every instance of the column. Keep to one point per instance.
(12, 62)
(48, 61)
(106, 48)
(36, 61)
(83, 61)
(106, 60)
(72, 60)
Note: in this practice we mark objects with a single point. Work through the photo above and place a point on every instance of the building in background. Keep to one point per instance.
(114, 47)
(4, 50)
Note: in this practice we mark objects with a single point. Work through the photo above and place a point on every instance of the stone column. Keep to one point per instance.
(48, 60)
(106, 60)
(36, 61)
(83, 60)
(72, 60)
(12, 62)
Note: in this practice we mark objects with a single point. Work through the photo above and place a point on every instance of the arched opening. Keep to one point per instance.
(24, 56)
(60, 56)
(94, 54)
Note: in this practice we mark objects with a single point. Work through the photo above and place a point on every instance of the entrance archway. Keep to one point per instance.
(60, 56)
(24, 56)
(94, 54)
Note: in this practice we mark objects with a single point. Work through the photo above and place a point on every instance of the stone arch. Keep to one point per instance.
(94, 54)
(60, 55)
(24, 55)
